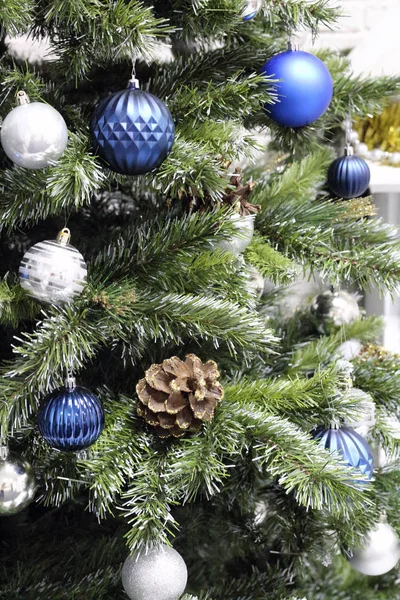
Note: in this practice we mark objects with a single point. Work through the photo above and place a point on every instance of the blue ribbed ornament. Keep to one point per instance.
(348, 177)
(132, 131)
(355, 450)
(71, 418)
(305, 90)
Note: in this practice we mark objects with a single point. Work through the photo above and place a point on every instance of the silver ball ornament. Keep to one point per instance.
(53, 271)
(245, 228)
(250, 10)
(33, 135)
(17, 485)
(381, 553)
(336, 308)
(161, 574)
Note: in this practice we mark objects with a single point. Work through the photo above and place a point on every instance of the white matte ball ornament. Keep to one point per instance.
(33, 134)
(161, 574)
(52, 271)
(238, 243)
(349, 349)
(380, 554)
(362, 150)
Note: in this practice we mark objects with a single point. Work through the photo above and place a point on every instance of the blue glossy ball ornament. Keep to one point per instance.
(355, 451)
(132, 131)
(304, 91)
(71, 418)
(348, 177)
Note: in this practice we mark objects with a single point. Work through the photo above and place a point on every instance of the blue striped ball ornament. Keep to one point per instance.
(132, 131)
(53, 271)
(355, 451)
(348, 177)
(71, 418)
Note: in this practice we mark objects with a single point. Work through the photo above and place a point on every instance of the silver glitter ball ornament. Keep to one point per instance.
(53, 271)
(17, 485)
(380, 554)
(336, 308)
(33, 135)
(245, 230)
(161, 574)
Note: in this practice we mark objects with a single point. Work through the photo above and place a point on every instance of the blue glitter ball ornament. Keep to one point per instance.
(348, 176)
(132, 131)
(355, 450)
(71, 418)
(305, 90)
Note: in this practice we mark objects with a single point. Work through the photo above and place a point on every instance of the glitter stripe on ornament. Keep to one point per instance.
(53, 271)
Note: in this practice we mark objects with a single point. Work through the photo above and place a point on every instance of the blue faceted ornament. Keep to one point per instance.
(348, 177)
(132, 131)
(304, 91)
(71, 418)
(355, 451)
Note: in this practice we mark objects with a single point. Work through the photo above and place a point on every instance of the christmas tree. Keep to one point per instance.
(156, 389)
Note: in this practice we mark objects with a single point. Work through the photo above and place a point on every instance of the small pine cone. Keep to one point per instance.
(177, 395)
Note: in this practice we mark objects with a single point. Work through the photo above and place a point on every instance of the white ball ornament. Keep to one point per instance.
(376, 155)
(33, 134)
(349, 349)
(161, 574)
(394, 158)
(362, 150)
(381, 553)
(245, 230)
(53, 271)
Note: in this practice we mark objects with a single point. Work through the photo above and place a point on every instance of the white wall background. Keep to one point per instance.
(370, 26)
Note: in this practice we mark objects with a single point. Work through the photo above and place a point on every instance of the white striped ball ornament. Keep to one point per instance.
(53, 271)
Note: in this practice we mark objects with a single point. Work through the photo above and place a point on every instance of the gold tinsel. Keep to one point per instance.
(358, 208)
(382, 131)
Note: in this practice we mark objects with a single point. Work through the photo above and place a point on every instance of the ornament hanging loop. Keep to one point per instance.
(22, 98)
(349, 150)
(133, 83)
(293, 43)
(70, 381)
(64, 236)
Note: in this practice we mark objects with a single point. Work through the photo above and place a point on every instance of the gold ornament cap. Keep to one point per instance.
(64, 236)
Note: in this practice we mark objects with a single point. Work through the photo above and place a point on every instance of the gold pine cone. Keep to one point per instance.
(176, 396)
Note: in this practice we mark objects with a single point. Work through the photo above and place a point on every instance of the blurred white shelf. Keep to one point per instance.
(384, 179)
(385, 185)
